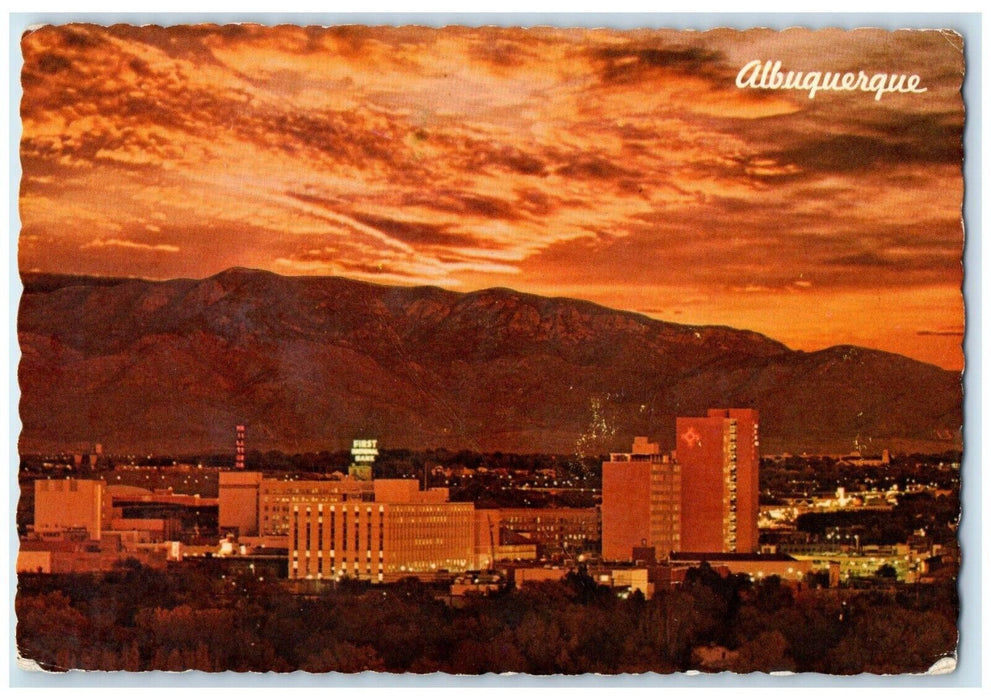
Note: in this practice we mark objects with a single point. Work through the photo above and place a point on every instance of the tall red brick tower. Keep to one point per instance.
(719, 457)
(641, 496)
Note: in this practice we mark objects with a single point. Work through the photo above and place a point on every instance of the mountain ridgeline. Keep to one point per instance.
(309, 363)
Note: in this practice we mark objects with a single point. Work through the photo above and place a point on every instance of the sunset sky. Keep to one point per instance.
(626, 168)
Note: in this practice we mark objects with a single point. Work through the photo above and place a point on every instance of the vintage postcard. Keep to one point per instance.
(548, 350)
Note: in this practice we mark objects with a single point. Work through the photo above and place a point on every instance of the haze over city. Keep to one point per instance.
(622, 168)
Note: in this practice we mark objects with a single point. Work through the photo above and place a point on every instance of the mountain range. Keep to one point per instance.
(310, 363)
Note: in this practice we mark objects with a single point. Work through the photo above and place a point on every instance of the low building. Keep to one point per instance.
(521, 534)
(515, 547)
(637, 579)
(865, 563)
(524, 575)
(555, 531)
(477, 583)
(757, 566)
(84, 556)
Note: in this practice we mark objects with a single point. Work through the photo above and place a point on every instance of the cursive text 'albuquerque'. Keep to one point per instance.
(767, 75)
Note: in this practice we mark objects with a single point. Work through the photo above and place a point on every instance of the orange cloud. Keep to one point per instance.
(131, 245)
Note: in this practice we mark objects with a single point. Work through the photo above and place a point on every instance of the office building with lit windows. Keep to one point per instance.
(720, 459)
(402, 531)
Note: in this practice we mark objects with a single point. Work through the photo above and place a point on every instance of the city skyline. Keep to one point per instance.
(626, 168)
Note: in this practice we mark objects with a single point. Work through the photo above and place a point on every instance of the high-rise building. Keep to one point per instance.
(720, 459)
(641, 502)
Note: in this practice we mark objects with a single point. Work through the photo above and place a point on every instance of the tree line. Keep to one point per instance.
(139, 619)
